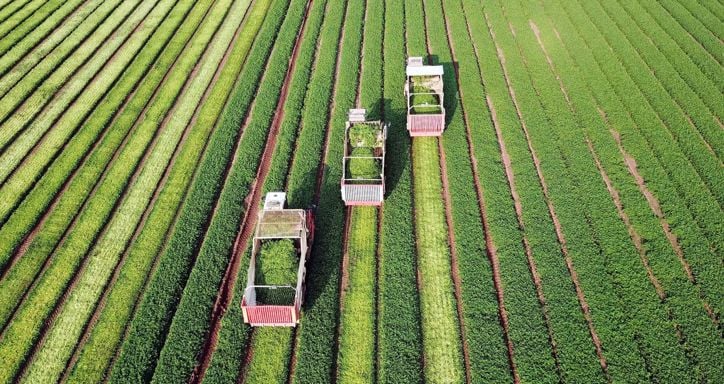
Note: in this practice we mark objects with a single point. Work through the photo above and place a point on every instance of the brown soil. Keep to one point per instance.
(519, 213)
(554, 217)
(226, 292)
(101, 305)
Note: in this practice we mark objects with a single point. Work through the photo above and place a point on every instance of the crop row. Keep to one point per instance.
(10, 36)
(657, 169)
(693, 26)
(707, 64)
(442, 341)
(574, 349)
(21, 15)
(682, 299)
(26, 98)
(675, 78)
(11, 7)
(57, 346)
(272, 347)
(106, 335)
(357, 330)
(710, 19)
(657, 338)
(681, 67)
(58, 125)
(148, 329)
(699, 165)
(621, 120)
(23, 57)
(40, 31)
(72, 253)
(63, 114)
(316, 350)
(579, 240)
(43, 244)
(90, 173)
(399, 329)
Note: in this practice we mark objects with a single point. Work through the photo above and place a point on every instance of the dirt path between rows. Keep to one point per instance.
(228, 283)
(552, 212)
(101, 304)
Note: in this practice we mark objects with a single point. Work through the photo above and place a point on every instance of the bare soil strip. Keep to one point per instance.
(101, 305)
(228, 283)
(551, 209)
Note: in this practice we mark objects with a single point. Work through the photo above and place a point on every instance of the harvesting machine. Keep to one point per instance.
(363, 164)
(424, 93)
(275, 282)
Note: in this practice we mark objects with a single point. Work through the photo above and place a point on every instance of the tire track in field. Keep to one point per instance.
(159, 186)
(251, 202)
(551, 210)
(99, 74)
(50, 256)
(101, 304)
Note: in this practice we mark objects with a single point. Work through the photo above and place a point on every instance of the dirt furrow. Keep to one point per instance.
(159, 186)
(101, 305)
(96, 76)
(519, 215)
(551, 210)
(228, 282)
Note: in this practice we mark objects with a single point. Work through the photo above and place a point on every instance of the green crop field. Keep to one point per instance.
(567, 226)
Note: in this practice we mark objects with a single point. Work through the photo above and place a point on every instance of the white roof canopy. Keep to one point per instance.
(425, 70)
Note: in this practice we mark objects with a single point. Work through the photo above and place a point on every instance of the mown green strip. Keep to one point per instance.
(440, 328)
